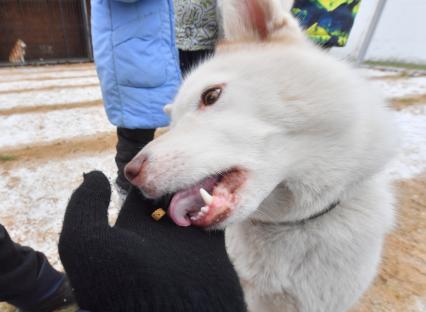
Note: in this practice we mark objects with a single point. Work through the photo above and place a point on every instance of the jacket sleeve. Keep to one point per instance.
(328, 23)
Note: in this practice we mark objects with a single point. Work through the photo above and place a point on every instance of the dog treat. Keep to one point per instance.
(158, 214)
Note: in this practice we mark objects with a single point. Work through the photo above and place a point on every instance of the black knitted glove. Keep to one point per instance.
(141, 265)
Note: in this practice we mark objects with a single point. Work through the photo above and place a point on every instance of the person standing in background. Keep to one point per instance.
(137, 65)
(327, 23)
(136, 57)
(197, 29)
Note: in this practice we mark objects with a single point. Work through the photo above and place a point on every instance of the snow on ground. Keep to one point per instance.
(411, 160)
(24, 129)
(7, 76)
(420, 305)
(33, 84)
(34, 196)
(375, 73)
(403, 87)
(36, 70)
(51, 97)
(34, 214)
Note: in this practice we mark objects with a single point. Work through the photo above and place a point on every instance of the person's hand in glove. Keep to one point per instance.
(141, 265)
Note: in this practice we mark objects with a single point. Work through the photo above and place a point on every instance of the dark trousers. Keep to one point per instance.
(131, 141)
(19, 267)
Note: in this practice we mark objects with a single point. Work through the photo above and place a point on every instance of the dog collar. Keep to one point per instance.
(301, 221)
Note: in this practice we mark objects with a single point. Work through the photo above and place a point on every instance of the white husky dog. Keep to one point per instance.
(283, 146)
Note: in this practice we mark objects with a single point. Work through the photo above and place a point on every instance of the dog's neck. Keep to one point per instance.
(292, 202)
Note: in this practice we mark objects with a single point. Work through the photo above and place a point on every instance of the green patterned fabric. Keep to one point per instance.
(327, 22)
(196, 24)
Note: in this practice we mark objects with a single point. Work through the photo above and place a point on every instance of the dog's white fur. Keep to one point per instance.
(310, 132)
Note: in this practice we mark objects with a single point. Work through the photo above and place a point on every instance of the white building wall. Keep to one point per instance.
(400, 35)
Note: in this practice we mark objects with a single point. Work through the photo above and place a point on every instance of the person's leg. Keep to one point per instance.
(189, 59)
(130, 142)
(28, 281)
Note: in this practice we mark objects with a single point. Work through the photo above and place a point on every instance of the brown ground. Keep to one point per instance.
(50, 88)
(401, 283)
(48, 108)
(31, 155)
(37, 70)
(45, 78)
(399, 104)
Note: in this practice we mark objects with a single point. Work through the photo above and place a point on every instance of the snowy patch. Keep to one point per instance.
(377, 73)
(33, 199)
(8, 76)
(43, 127)
(421, 304)
(35, 84)
(53, 97)
(411, 160)
(46, 68)
(404, 87)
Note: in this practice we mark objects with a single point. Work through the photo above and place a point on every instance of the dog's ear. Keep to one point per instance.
(258, 20)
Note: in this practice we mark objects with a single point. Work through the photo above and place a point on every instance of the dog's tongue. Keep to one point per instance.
(189, 200)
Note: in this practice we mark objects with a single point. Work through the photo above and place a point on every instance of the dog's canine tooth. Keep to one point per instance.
(208, 199)
(205, 209)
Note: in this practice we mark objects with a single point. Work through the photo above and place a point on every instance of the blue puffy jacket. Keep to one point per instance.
(136, 60)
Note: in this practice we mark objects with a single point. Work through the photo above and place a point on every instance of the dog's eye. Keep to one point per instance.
(210, 96)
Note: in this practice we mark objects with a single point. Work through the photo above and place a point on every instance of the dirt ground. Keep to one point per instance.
(400, 285)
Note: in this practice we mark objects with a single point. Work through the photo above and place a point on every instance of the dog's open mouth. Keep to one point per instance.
(209, 201)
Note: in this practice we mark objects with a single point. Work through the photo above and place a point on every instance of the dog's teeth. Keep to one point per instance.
(200, 214)
(208, 199)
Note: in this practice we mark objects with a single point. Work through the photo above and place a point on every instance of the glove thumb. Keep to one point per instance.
(88, 206)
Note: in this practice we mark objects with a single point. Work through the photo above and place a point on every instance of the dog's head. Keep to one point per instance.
(267, 108)
(21, 44)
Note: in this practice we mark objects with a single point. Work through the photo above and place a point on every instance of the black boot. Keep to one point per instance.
(130, 142)
(28, 281)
